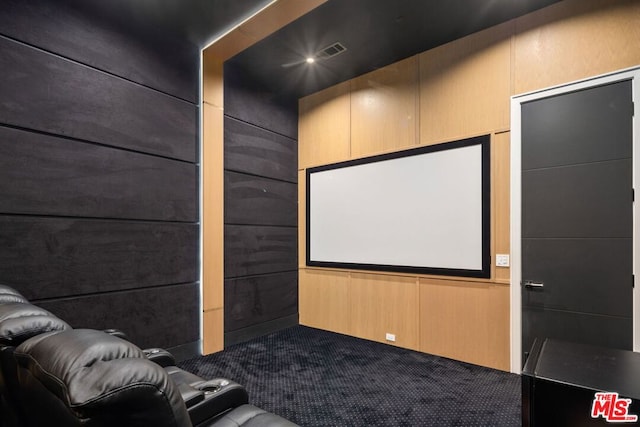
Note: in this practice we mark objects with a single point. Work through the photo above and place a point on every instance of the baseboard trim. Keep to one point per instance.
(245, 334)
(186, 351)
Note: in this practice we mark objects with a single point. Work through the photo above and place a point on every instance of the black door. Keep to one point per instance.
(577, 225)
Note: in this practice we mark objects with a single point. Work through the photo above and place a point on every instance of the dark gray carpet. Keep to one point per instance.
(318, 378)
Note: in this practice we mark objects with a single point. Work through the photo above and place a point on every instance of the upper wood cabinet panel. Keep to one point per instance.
(575, 39)
(465, 86)
(384, 109)
(324, 126)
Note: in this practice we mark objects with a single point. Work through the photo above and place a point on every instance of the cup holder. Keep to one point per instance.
(213, 387)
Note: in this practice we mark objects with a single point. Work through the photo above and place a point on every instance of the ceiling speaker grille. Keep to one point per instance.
(331, 51)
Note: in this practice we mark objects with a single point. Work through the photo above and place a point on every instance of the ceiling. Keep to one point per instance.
(375, 33)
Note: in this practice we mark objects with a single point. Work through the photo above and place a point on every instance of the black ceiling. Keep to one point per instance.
(376, 33)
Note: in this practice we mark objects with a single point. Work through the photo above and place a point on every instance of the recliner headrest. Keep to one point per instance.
(21, 321)
(100, 377)
(8, 294)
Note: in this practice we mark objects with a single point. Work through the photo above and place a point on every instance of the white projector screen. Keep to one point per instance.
(424, 210)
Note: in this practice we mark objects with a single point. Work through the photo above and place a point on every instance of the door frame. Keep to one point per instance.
(632, 74)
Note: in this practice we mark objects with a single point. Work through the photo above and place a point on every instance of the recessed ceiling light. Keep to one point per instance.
(311, 60)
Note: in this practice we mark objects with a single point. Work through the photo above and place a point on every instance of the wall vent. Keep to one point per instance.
(330, 51)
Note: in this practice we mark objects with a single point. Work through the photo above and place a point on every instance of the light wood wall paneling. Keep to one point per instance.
(324, 126)
(465, 86)
(382, 303)
(384, 109)
(465, 321)
(575, 39)
(54, 95)
(212, 330)
(324, 300)
(48, 257)
(165, 316)
(302, 219)
(501, 187)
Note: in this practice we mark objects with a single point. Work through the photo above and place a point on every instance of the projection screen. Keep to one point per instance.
(424, 210)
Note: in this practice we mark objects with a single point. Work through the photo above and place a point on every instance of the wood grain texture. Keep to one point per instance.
(302, 219)
(252, 250)
(575, 39)
(254, 200)
(212, 210)
(212, 331)
(465, 321)
(264, 108)
(324, 300)
(257, 151)
(157, 317)
(325, 126)
(465, 86)
(155, 59)
(258, 27)
(381, 303)
(56, 257)
(253, 300)
(384, 109)
(501, 209)
(47, 93)
(45, 175)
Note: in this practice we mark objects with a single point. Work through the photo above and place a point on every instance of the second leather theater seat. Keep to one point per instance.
(85, 377)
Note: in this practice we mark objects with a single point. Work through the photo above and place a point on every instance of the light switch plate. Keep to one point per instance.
(502, 260)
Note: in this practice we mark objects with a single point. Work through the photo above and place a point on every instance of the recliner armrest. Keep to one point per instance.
(219, 396)
(160, 356)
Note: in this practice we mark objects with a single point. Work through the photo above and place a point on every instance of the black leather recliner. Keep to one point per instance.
(83, 377)
(19, 321)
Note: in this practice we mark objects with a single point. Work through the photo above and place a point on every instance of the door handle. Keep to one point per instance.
(531, 284)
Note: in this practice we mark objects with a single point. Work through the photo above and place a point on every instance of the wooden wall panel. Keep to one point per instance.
(467, 321)
(255, 200)
(575, 39)
(212, 331)
(465, 86)
(50, 94)
(258, 299)
(45, 175)
(324, 300)
(384, 109)
(381, 304)
(158, 317)
(55, 257)
(324, 126)
(250, 149)
(251, 250)
(501, 207)
(161, 62)
(302, 219)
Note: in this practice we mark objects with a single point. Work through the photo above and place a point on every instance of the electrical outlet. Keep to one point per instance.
(502, 260)
(390, 337)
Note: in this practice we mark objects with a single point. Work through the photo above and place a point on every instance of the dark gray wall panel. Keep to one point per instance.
(605, 331)
(251, 250)
(43, 92)
(55, 257)
(158, 317)
(594, 279)
(140, 53)
(255, 200)
(258, 299)
(257, 151)
(41, 174)
(580, 127)
(576, 195)
(258, 106)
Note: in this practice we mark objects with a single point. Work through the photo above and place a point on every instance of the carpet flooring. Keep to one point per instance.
(319, 378)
